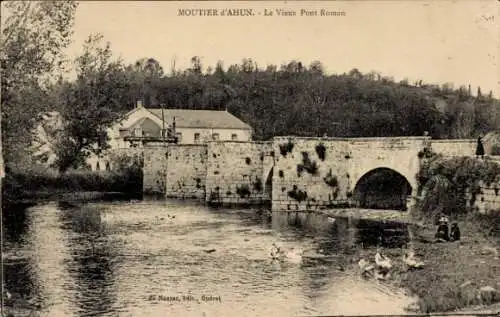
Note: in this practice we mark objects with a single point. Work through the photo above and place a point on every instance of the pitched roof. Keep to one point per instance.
(208, 119)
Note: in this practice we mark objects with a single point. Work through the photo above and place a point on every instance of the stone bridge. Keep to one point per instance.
(296, 173)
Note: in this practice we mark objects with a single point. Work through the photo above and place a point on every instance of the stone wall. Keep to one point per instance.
(488, 199)
(454, 147)
(309, 173)
(235, 172)
(155, 168)
(186, 171)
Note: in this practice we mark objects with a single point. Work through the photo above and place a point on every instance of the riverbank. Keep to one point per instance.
(41, 197)
(37, 185)
(457, 276)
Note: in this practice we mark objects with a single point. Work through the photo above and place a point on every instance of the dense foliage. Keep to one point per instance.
(34, 34)
(447, 183)
(35, 181)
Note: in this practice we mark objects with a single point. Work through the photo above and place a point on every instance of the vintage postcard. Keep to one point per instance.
(250, 158)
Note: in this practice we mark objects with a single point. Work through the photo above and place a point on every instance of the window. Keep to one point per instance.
(178, 135)
(234, 137)
(137, 132)
(215, 136)
(196, 137)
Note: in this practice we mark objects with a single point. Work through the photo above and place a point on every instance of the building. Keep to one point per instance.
(142, 126)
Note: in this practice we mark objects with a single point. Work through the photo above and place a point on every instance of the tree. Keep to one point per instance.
(90, 104)
(196, 66)
(144, 76)
(34, 35)
(317, 67)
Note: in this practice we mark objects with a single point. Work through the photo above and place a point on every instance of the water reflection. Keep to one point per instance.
(18, 274)
(116, 259)
(93, 274)
(15, 221)
(93, 264)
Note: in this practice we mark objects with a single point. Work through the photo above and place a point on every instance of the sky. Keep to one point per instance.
(438, 42)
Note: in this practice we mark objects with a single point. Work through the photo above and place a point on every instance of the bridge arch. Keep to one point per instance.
(382, 188)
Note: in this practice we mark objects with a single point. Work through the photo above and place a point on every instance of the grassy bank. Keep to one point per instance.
(40, 184)
(454, 272)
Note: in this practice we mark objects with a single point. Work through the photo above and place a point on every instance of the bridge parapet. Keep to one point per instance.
(462, 147)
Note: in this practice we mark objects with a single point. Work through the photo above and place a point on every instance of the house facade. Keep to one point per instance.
(200, 126)
(191, 126)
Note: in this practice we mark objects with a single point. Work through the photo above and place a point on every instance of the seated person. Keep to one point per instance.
(454, 231)
(442, 231)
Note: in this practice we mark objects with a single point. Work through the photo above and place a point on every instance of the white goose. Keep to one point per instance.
(294, 255)
(410, 260)
(382, 261)
(365, 267)
(276, 252)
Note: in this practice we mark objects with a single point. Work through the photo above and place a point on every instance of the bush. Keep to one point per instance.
(30, 183)
(447, 183)
(489, 223)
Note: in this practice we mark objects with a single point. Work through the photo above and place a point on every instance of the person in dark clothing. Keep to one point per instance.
(480, 147)
(442, 233)
(454, 232)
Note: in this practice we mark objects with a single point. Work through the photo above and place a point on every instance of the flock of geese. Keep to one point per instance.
(380, 268)
(383, 264)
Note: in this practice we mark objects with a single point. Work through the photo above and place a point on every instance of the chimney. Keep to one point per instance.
(139, 104)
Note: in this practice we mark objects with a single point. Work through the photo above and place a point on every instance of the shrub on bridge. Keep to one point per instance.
(321, 151)
(286, 148)
(307, 165)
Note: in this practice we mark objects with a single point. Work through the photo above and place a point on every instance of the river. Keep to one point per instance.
(171, 258)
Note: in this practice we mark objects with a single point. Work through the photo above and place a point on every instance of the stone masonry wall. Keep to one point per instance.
(454, 147)
(488, 199)
(309, 173)
(155, 167)
(235, 172)
(186, 171)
